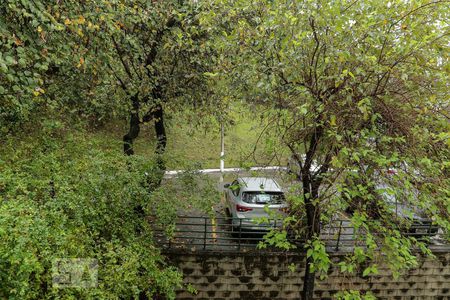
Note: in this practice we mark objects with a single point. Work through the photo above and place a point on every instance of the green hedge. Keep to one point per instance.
(62, 197)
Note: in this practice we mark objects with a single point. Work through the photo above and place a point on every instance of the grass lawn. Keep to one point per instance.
(188, 145)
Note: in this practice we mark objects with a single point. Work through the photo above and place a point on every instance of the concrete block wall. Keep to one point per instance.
(267, 276)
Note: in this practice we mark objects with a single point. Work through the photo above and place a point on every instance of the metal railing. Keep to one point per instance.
(204, 233)
(219, 233)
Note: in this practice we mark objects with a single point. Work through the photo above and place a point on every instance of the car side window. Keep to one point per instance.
(235, 188)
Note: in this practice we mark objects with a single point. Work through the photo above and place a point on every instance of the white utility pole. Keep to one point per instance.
(222, 148)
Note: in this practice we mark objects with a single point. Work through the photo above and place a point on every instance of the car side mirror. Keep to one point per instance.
(226, 185)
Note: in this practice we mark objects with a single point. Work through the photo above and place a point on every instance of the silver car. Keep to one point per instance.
(250, 198)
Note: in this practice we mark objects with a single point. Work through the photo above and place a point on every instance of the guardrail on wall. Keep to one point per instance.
(205, 233)
(235, 234)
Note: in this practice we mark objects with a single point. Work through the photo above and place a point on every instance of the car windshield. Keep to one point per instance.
(263, 197)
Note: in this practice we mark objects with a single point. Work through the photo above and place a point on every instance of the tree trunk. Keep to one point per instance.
(313, 217)
(311, 184)
(134, 128)
(160, 130)
(308, 281)
(161, 141)
(311, 193)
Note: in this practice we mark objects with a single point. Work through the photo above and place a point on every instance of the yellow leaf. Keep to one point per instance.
(39, 29)
(333, 120)
(17, 41)
(81, 62)
(67, 22)
(36, 93)
(81, 20)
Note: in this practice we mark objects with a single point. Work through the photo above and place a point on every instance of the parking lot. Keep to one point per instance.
(196, 231)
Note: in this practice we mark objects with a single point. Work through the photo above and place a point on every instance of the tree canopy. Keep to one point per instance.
(354, 89)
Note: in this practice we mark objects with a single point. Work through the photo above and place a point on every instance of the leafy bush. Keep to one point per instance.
(65, 198)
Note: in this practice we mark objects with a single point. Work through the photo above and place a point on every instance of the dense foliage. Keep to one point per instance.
(356, 90)
(63, 197)
(83, 63)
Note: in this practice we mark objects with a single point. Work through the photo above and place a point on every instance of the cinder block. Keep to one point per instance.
(268, 277)
(290, 294)
(230, 280)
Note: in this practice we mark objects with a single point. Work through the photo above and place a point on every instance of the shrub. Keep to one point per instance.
(67, 198)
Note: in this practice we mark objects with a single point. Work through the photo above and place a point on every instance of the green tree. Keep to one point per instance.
(104, 59)
(43, 74)
(26, 31)
(155, 52)
(352, 89)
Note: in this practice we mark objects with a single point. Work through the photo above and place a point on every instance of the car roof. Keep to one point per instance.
(259, 184)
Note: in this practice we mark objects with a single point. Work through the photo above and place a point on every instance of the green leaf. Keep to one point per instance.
(209, 74)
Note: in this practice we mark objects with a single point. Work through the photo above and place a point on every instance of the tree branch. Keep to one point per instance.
(119, 53)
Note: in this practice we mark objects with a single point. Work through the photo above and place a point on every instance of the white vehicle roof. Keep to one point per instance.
(257, 184)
